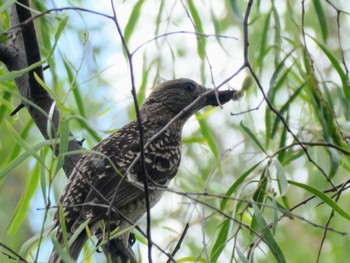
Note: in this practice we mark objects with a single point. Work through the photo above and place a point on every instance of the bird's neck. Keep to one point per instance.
(158, 119)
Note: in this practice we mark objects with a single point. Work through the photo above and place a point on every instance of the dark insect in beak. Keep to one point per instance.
(223, 96)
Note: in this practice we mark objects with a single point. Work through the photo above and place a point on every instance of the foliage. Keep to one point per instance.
(262, 180)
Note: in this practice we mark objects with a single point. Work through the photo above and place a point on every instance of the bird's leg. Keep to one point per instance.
(119, 248)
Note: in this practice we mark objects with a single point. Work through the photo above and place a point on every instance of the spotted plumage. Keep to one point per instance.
(100, 180)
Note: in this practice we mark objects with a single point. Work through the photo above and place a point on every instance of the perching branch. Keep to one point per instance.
(21, 52)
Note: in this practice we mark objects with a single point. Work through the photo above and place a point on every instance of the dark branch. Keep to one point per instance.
(21, 52)
(15, 256)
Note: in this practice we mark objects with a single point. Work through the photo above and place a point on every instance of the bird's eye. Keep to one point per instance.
(188, 87)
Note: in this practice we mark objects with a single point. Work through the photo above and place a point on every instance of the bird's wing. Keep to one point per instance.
(109, 183)
(110, 189)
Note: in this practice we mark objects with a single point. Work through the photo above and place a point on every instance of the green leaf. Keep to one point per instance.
(282, 144)
(260, 191)
(241, 256)
(63, 227)
(274, 78)
(4, 105)
(141, 94)
(278, 34)
(64, 255)
(285, 107)
(22, 207)
(159, 17)
(281, 176)
(24, 134)
(82, 121)
(77, 232)
(275, 215)
(337, 67)
(64, 140)
(335, 162)
(5, 6)
(198, 22)
(267, 235)
(75, 89)
(17, 73)
(220, 241)
(133, 19)
(263, 43)
(24, 145)
(208, 134)
(191, 259)
(27, 246)
(285, 209)
(238, 182)
(321, 18)
(236, 11)
(43, 182)
(253, 137)
(323, 197)
(61, 26)
(47, 88)
(20, 159)
(259, 196)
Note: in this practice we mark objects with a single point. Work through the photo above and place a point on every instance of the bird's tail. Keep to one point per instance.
(74, 249)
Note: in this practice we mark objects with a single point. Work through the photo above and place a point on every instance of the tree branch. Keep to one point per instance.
(21, 52)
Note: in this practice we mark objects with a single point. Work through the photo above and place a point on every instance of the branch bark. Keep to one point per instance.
(21, 52)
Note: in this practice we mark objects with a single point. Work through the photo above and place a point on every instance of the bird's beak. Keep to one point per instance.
(223, 97)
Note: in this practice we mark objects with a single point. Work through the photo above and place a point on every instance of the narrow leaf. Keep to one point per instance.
(133, 19)
(267, 235)
(198, 22)
(281, 177)
(285, 107)
(17, 73)
(20, 159)
(263, 43)
(75, 89)
(208, 134)
(220, 241)
(6, 6)
(24, 145)
(191, 259)
(236, 11)
(241, 256)
(336, 65)
(323, 197)
(64, 255)
(238, 182)
(252, 135)
(5, 104)
(321, 18)
(22, 207)
(64, 140)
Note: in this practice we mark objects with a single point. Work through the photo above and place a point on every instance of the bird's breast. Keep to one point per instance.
(162, 158)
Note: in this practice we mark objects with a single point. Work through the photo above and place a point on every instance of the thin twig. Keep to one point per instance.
(198, 34)
(24, 23)
(341, 190)
(178, 245)
(269, 104)
(17, 109)
(141, 131)
(19, 257)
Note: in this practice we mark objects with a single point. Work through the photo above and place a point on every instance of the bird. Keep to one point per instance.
(106, 186)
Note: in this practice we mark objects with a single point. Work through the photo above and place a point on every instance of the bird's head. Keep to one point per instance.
(181, 95)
